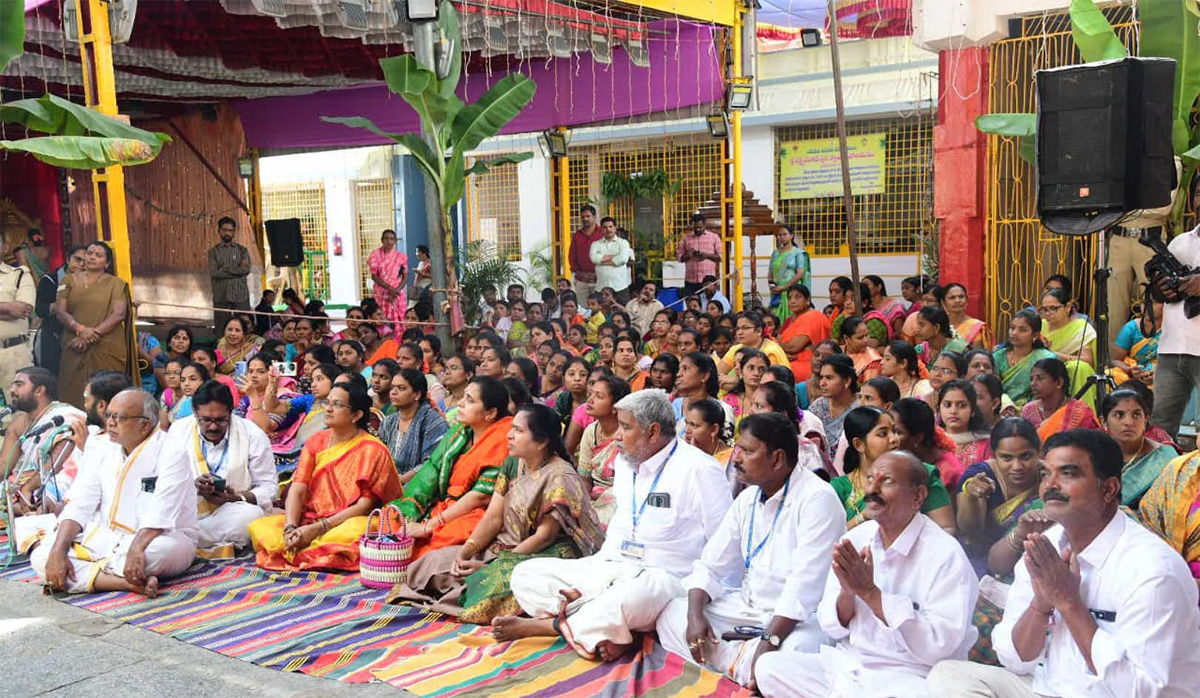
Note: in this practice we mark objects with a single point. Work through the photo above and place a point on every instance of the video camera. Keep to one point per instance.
(1164, 265)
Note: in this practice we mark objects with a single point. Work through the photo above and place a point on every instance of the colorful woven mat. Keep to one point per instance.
(476, 666)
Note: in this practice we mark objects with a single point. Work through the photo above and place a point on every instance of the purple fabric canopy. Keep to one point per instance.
(684, 71)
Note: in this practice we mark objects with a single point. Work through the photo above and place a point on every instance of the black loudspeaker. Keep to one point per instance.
(1103, 142)
(287, 244)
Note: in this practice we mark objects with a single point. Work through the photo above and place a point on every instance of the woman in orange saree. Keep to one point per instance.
(450, 493)
(344, 473)
(803, 330)
(866, 359)
(1054, 410)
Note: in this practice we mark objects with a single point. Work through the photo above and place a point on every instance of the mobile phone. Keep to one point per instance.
(284, 368)
(218, 484)
(239, 369)
(661, 500)
(149, 483)
(733, 635)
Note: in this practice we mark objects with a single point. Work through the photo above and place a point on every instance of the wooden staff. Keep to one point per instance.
(847, 196)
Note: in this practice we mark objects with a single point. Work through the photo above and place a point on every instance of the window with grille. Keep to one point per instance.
(494, 206)
(374, 212)
(305, 201)
(887, 223)
(692, 161)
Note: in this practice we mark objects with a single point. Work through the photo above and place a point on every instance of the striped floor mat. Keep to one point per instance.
(329, 625)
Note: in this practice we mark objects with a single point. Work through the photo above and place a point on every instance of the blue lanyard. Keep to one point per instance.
(638, 511)
(750, 538)
(220, 463)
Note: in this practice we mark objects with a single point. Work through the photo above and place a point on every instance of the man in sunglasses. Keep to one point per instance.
(233, 467)
(130, 518)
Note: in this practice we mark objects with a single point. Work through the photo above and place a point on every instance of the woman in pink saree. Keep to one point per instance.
(389, 272)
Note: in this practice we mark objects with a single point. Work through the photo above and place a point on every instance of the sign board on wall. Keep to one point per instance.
(811, 169)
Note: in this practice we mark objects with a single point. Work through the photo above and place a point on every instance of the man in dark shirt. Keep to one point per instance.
(229, 267)
(262, 323)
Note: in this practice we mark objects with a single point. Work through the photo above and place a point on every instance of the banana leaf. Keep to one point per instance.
(448, 24)
(1022, 127)
(60, 117)
(484, 166)
(486, 116)
(1193, 154)
(84, 152)
(421, 89)
(1094, 34)
(1170, 32)
(12, 31)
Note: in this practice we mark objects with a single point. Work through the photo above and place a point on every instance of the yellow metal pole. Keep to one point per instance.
(108, 184)
(257, 226)
(735, 133)
(564, 215)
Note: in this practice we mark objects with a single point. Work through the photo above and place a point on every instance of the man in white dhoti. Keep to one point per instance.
(130, 517)
(40, 430)
(234, 470)
(900, 599)
(670, 499)
(756, 586)
(1100, 606)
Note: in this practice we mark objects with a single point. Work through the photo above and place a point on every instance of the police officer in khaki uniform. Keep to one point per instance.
(17, 294)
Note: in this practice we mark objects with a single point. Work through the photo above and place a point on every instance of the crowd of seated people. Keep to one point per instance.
(873, 498)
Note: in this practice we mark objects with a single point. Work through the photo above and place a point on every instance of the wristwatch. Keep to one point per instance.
(775, 641)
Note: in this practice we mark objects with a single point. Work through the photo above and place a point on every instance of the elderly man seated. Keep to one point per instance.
(1100, 606)
(900, 599)
(41, 430)
(758, 582)
(234, 469)
(130, 518)
(670, 498)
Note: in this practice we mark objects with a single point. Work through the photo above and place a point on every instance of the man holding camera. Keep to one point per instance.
(1178, 369)
(231, 461)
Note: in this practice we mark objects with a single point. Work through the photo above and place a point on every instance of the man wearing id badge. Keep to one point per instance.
(1100, 606)
(756, 586)
(670, 498)
(233, 466)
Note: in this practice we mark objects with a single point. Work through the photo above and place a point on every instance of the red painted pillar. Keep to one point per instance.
(960, 170)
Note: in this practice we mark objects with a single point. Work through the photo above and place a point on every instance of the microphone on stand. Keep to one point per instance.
(55, 422)
(5, 412)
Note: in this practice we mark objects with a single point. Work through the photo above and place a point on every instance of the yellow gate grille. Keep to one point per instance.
(494, 211)
(1020, 252)
(373, 214)
(888, 223)
(693, 161)
(304, 201)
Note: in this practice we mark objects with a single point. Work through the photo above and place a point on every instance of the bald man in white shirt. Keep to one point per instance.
(670, 497)
(764, 570)
(900, 600)
(1099, 607)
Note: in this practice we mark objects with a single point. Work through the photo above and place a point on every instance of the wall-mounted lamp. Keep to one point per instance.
(555, 143)
(246, 168)
(718, 125)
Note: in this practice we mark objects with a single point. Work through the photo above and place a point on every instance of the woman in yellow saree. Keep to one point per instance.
(1171, 508)
(1071, 338)
(447, 497)
(1054, 410)
(344, 473)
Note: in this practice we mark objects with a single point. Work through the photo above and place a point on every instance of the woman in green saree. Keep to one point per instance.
(540, 508)
(1071, 338)
(789, 266)
(1015, 358)
(998, 507)
(1125, 414)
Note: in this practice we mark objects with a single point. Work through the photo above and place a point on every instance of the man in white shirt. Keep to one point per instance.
(670, 498)
(130, 517)
(231, 461)
(611, 255)
(764, 569)
(900, 600)
(1100, 606)
(643, 308)
(40, 431)
(1177, 372)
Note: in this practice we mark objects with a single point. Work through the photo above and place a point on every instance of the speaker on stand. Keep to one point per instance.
(286, 241)
(1103, 154)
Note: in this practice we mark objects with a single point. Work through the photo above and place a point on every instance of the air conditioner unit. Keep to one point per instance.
(601, 48)
(352, 14)
(495, 38)
(557, 41)
(638, 55)
(121, 15)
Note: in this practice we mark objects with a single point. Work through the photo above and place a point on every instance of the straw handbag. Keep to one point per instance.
(383, 556)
